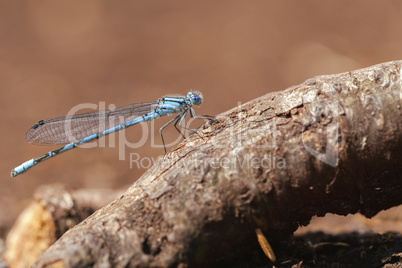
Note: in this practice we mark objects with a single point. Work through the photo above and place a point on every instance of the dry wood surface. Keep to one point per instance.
(330, 144)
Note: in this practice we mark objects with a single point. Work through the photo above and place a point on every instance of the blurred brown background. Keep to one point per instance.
(57, 54)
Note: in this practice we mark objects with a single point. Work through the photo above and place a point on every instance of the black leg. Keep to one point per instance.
(168, 123)
(189, 129)
(181, 119)
(205, 116)
(193, 115)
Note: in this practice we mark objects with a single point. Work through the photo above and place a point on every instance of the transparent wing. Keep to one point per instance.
(66, 129)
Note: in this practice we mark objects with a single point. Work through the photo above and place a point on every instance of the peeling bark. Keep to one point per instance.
(331, 144)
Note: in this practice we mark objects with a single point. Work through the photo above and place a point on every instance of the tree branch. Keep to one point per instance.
(331, 144)
(55, 210)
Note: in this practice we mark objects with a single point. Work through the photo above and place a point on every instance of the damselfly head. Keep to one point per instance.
(195, 97)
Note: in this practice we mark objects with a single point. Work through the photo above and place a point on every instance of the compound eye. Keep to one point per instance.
(195, 98)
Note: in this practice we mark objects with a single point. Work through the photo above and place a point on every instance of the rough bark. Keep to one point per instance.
(331, 144)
